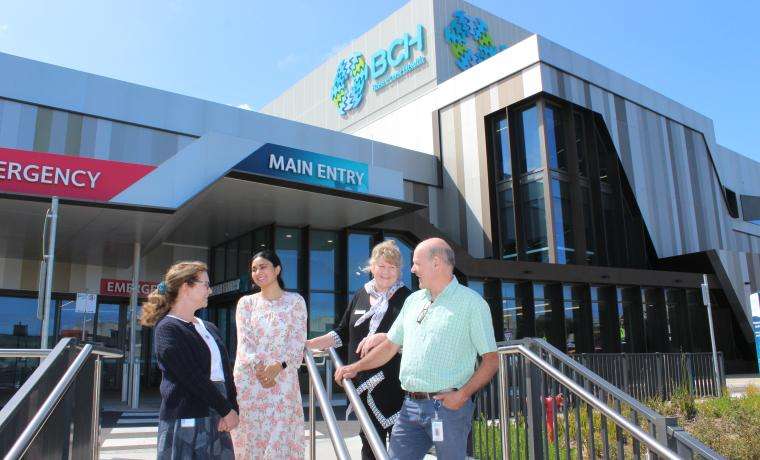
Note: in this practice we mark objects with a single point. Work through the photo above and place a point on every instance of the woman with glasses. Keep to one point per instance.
(271, 334)
(364, 325)
(198, 398)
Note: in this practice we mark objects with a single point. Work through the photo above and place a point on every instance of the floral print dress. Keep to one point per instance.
(271, 419)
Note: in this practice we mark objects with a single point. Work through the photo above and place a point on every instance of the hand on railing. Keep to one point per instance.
(345, 372)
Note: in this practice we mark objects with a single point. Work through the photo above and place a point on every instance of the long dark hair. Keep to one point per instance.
(272, 257)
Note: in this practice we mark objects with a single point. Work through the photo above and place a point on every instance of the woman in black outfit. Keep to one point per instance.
(198, 398)
(365, 323)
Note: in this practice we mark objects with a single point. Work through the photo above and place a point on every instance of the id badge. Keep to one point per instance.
(187, 423)
(437, 426)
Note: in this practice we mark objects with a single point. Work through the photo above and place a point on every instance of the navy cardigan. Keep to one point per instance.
(185, 363)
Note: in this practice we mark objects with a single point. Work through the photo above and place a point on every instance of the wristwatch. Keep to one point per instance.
(284, 365)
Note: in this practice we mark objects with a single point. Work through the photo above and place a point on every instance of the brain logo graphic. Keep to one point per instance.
(350, 78)
(457, 33)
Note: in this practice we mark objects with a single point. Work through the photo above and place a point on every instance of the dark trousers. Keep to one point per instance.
(382, 432)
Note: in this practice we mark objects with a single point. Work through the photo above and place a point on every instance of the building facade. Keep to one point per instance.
(584, 206)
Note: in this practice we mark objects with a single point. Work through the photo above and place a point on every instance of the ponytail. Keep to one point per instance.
(161, 299)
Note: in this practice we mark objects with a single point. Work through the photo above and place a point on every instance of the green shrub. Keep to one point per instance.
(730, 426)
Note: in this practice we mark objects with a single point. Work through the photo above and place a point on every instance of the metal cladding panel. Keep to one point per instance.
(313, 99)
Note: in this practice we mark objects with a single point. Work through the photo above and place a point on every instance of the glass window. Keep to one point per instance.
(605, 159)
(107, 327)
(139, 335)
(260, 239)
(636, 254)
(321, 313)
(19, 326)
(698, 323)
(580, 147)
(406, 250)
(563, 221)
(501, 146)
(542, 313)
(510, 310)
(233, 330)
(358, 255)
(245, 252)
(507, 215)
(555, 138)
(288, 246)
(598, 308)
(579, 336)
(572, 310)
(323, 247)
(679, 334)
(71, 323)
(612, 228)
(231, 261)
(218, 266)
(477, 286)
(222, 323)
(531, 152)
(588, 222)
(623, 322)
(534, 221)
(655, 320)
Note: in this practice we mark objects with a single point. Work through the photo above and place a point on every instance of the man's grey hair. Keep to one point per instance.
(445, 253)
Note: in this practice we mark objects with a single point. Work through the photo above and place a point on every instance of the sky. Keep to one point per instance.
(703, 54)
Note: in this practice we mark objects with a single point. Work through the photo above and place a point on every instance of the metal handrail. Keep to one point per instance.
(590, 375)
(590, 399)
(28, 386)
(27, 436)
(44, 352)
(378, 448)
(696, 446)
(315, 382)
(23, 353)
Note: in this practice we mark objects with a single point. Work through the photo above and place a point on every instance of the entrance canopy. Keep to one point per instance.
(239, 203)
(100, 234)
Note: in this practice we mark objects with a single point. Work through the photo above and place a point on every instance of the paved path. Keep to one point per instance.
(132, 436)
(737, 384)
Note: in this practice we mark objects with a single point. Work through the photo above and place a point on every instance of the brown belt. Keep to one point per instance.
(424, 395)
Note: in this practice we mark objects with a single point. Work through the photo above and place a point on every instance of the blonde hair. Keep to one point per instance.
(387, 250)
(159, 303)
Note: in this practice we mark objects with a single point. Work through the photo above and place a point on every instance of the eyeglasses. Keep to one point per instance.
(423, 312)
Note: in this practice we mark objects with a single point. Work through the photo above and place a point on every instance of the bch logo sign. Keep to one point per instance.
(353, 72)
(457, 33)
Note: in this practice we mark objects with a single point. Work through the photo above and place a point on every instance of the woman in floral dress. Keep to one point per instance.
(271, 332)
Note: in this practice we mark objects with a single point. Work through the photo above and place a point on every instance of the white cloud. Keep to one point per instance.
(287, 61)
(244, 106)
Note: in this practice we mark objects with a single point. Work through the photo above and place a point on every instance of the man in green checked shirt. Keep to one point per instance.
(442, 328)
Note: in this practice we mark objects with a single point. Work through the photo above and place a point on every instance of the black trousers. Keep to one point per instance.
(382, 432)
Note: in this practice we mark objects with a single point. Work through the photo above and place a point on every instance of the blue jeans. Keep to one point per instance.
(412, 434)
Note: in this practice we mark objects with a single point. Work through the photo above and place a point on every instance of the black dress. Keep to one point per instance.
(379, 388)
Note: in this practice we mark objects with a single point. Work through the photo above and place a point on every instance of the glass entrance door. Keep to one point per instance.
(109, 332)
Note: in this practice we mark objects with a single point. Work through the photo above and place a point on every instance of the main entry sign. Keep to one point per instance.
(48, 174)
(307, 167)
